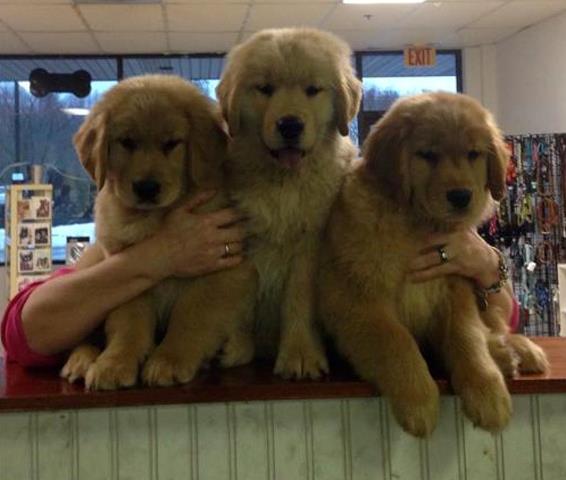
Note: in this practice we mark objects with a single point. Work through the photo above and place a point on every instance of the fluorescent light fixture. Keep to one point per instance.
(370, 2)
(79, 112)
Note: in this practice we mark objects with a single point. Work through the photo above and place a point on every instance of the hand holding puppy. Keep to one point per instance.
(192, 244)
(466, 254)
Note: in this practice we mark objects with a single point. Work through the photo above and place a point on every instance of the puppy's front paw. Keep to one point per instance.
(486, 401)
(238, 350)
(301, 360)
(504, 355)
(164, 369)
(416, 410)
(532, 358)
(110, 372)
(79, 362)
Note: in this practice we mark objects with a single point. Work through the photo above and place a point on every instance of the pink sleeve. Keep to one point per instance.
(13, 336)
(515, 316)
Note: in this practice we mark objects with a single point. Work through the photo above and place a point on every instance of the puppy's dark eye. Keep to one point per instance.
(266, 89)
(428, 155)
(128, 143)
(312, 90)
(170, 145)
(473, 154)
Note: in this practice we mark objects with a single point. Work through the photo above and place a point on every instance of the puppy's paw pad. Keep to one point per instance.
(487, 403)
(300, 363)
(110, 373)
(79, 362)
(163, 370)
(238, 350)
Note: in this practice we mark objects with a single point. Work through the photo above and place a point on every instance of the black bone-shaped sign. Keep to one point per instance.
(42, 82)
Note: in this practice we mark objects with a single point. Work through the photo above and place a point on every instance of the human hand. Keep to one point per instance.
(467, 254)
(191, 244)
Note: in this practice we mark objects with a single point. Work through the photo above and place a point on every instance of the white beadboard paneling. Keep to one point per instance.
(252, 446)
(16, 445)
(134, 452)
(518, 446)
(349, 439)
(552, 415)
(405, 451)
(172, 440)
(444, 448)
(328, 440)
(54, 437)
(366, 446)
(481, 452)
(215, 459)
(291, 444)
(94, 444)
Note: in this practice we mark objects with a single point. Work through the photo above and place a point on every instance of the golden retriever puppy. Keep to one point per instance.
(288, 96)
(433, 163)
(150, 143)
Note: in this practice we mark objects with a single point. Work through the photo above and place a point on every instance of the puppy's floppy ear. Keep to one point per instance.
(229, 98)
(208, 145)
(497, 160)
(91, 145)
(382, 152)
(348, 97)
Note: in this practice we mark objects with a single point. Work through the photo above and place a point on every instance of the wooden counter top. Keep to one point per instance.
(28, 389)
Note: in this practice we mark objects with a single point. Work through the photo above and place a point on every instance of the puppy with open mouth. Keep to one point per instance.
(288, 96)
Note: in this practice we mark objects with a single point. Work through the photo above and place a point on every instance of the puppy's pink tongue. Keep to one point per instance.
(289, 157)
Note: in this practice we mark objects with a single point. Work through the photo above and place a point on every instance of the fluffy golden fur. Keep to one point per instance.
(147, 131)
(418, 160)
(288, 96)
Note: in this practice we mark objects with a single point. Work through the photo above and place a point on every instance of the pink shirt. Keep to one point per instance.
(13, 336)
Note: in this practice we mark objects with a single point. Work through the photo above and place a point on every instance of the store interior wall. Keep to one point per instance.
(531, 79)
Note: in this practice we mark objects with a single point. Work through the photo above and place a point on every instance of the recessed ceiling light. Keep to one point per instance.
(369, 2)
(80, 112)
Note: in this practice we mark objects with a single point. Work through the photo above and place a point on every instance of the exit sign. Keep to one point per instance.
(420, 56)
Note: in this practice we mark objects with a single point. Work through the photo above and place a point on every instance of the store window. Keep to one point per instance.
(386, 78)
(39, 131)
(203, 70)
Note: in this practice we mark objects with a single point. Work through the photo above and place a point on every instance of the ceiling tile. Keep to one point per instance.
(64, 43)
(470, 37)
(284, 3)
(181, 42)
(366, 17)
(275, 16)
(123, 18)
(37, 2)
(213, 18)
(521, 13)
(448, 15)
(12, 45)
(203, 2)
(41, 18)
(129, 42)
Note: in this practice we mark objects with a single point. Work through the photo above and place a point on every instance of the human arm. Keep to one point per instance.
(61, 312)
(469, 255)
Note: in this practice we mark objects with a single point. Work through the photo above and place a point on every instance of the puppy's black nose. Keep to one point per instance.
(290, 127)
(459, 197)
(146, 190)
